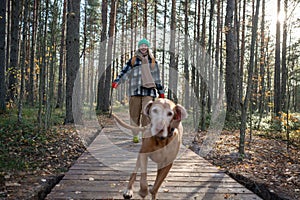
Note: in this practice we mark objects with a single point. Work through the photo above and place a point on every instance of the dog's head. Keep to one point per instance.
(163, 113)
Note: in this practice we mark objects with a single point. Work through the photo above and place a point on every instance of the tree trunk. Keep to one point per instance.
(249, 81)
(186, 55)
(155, 28)
(84, 96)
(31, 88)
(284, 74)
(217, 52)
(237, 10)
(262, 64)
(43, 65)
(198, 67)
(2, 55)
(203, 69)
(164, 40)
(72, 67)
(145, 22)
(173, 71)
(231, 62)
(102, 53)
(14, 52)
(277, 82)
(62, 58)
(268, 84)
(23, 57)
(243, 41)
(91, 79)
(53, 60)
(211, 83)
(221, 82)
(131, 28)
(108, 77)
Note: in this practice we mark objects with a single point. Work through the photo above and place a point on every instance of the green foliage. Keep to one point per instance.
(277, 127)
(232, 122)
(18, 141)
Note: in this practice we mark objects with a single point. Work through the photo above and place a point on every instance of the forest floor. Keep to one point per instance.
(267, 169)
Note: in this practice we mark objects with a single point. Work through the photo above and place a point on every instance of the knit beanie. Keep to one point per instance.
(144, 41)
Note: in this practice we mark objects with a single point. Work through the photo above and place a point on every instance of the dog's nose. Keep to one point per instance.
(162, 137)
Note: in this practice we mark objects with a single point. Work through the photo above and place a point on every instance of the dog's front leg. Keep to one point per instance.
(162, 172)
(143, 182)
(128, 193)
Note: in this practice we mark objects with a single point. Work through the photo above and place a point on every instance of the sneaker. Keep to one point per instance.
(136, 139)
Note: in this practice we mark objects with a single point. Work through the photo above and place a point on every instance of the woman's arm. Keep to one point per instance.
(123, 74)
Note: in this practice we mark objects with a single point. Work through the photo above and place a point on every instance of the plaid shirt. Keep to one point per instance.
(134, 74)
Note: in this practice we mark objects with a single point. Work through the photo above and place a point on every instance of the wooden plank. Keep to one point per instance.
(161, 195)
(169, 183)
(117, 187)
(102, 172)
(129, 170)
(125, 177)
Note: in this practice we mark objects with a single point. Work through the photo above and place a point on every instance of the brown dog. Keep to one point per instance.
(161, 142)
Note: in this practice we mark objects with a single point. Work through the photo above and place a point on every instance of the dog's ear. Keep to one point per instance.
(179, 113)
(147, 108)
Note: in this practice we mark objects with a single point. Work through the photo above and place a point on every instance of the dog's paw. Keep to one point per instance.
(128, 194)
(150, 189)
(152, 192)
(143, 193)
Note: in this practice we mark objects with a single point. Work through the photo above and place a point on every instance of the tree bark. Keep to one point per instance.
(249, 81)
(186, 55)
(211, 83)
(22, 63)
(262, 64)
(203, 69)
(173, 71)
(62, 58)
(14, 52)
(243, 41)
(277, 82)
(73, 17)
(2, 55)
(108, 77)
(145, 22)
(51, 79)
(102, 53)
(155, 28)
(284, 74)
(164, 40)
(31, 88)
(43, 65)
(217, 52)
(231, 62)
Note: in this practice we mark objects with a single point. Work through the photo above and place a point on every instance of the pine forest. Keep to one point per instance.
(234, 65)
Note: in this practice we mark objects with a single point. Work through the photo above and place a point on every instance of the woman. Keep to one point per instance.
(143, 72)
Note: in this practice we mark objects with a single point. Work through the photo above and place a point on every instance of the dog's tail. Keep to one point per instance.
(128, 126)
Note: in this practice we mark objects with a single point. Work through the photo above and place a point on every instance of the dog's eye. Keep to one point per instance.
(170, 114)
(154, 110)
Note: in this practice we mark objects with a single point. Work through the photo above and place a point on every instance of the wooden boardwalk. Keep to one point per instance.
(102, 172)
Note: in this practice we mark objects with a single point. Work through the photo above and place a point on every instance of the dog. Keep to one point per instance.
(160, 142)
